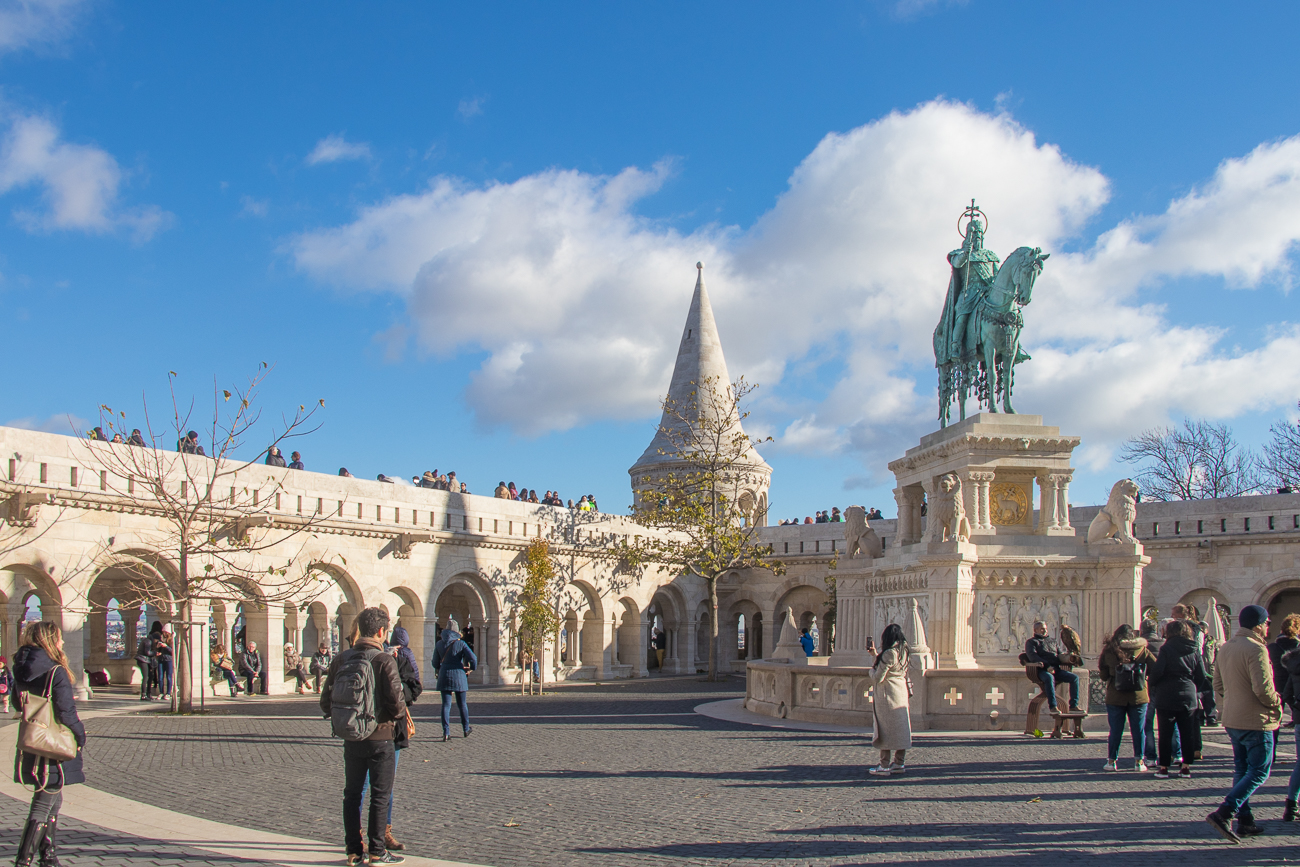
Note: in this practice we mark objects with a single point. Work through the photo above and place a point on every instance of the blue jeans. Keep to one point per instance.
(165, 675)
(1136, 716)
(1050, 679)
(1252, 755)
(460, 706)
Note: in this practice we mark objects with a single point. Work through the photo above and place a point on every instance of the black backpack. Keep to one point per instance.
(1130, 677)
(352, 700)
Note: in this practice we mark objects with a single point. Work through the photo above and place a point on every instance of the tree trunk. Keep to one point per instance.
(713, 627)
(182, 685)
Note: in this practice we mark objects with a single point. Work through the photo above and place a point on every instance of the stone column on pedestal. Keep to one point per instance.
(198, 663)
(917, 665)
(1063, 501)
(130, 638)
(981, 521)
(692, 642)
(1046, 503)
(72, 620)
(852, 621)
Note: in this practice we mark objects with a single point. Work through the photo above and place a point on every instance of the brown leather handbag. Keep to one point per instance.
(39, 733)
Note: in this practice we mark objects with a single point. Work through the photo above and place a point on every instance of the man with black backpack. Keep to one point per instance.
(362, 698)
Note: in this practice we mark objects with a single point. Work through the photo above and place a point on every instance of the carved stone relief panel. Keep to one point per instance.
(898, 609)
(1004, 621)
(1008, 503)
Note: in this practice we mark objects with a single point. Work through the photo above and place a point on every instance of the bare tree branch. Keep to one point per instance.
(1199, 461)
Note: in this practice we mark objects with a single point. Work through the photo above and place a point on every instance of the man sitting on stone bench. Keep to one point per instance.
(1055, 660)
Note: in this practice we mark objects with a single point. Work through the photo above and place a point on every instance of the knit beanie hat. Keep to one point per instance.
(1252, 616)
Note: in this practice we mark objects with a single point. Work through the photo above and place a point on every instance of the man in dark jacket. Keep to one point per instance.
(1053, 657)
(373, 759)
(189, 445)
(250, 666)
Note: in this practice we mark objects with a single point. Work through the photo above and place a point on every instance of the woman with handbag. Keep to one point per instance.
(50, 737)
(225, 667)
(892, 727)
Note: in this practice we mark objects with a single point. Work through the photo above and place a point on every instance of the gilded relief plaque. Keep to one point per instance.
(1008, 504)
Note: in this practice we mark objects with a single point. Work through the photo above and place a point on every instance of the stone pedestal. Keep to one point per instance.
(968, 603)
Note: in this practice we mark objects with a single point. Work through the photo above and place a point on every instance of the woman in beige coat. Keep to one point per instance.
(892, 730)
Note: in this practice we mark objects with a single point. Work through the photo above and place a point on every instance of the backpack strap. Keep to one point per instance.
(451, 645)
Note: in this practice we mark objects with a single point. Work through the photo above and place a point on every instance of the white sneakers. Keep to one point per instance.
(1140, 766)
(883, 771)
(898, 768)
(1111, 765)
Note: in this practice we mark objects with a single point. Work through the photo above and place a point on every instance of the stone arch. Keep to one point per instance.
(628, 644)
(668, 610)
(736, 638)
(19, 581)
(468, 597)
(1200, 597)
(410, 616)
(809, 603)
(142, 592)
(1281, 599)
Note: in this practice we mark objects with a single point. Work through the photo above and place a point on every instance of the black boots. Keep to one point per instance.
(1289, 811)
(49, 858)
(33, 836)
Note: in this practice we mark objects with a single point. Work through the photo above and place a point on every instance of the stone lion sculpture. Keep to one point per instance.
(1115, 522)
(948, 512)
(859, 538)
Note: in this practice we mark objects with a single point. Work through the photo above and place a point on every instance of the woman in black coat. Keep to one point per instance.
(1177, 678)
(41, 667)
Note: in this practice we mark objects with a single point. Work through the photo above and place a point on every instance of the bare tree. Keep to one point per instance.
(217, 514)
(701, 499)
(1198, 461)
(1282, 455)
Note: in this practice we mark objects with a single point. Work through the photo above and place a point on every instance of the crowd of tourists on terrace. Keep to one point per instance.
(190, 445)
(832, 516)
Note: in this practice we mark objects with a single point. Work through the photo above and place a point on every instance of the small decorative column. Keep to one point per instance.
(130, 622)
(1046, 503)
(1063, 501)
(904, 517)
(72, 620)
(981, 520)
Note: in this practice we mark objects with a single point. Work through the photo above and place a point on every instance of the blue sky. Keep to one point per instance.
(473, 232)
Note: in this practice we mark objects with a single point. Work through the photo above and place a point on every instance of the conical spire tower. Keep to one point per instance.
(700, 361)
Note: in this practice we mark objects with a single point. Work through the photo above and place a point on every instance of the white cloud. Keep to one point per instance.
(471, 107)
(578, 302)
(334, 148)
(59, 424)
(31, 22)
(79, 183)
(254, 207)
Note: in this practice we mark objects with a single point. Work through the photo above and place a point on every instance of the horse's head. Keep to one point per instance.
(1023, 266)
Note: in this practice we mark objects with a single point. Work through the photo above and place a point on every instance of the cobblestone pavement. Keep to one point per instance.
(83, 845)
(626, 774)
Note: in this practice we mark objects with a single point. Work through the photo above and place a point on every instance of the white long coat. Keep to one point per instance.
(893, 722)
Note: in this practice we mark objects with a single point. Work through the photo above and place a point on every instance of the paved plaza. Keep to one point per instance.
(629, 774)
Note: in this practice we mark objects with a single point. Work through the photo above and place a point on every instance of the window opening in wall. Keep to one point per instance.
(359, 511)
(1270, 522)
(1155, 528)
(74, 477)
(256, 496)
(447, 523)
(103, 480)
(510, 528)
(379, 513)
(1223, 525)
(1295, 522)
(740, 633)
(787, 547)
(397, 515)
(817, 545)
(433, 520)
(464, 522)
(496, 526)
(1178, 528)
(480, 525)
(300, 505)
(340, 512)
(833, 545)
(44, 472)
(1247, 525)
(1200, 527)
(13, 469)
(277, 497)
(801, 547)
(115, 631)
(320, 505)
